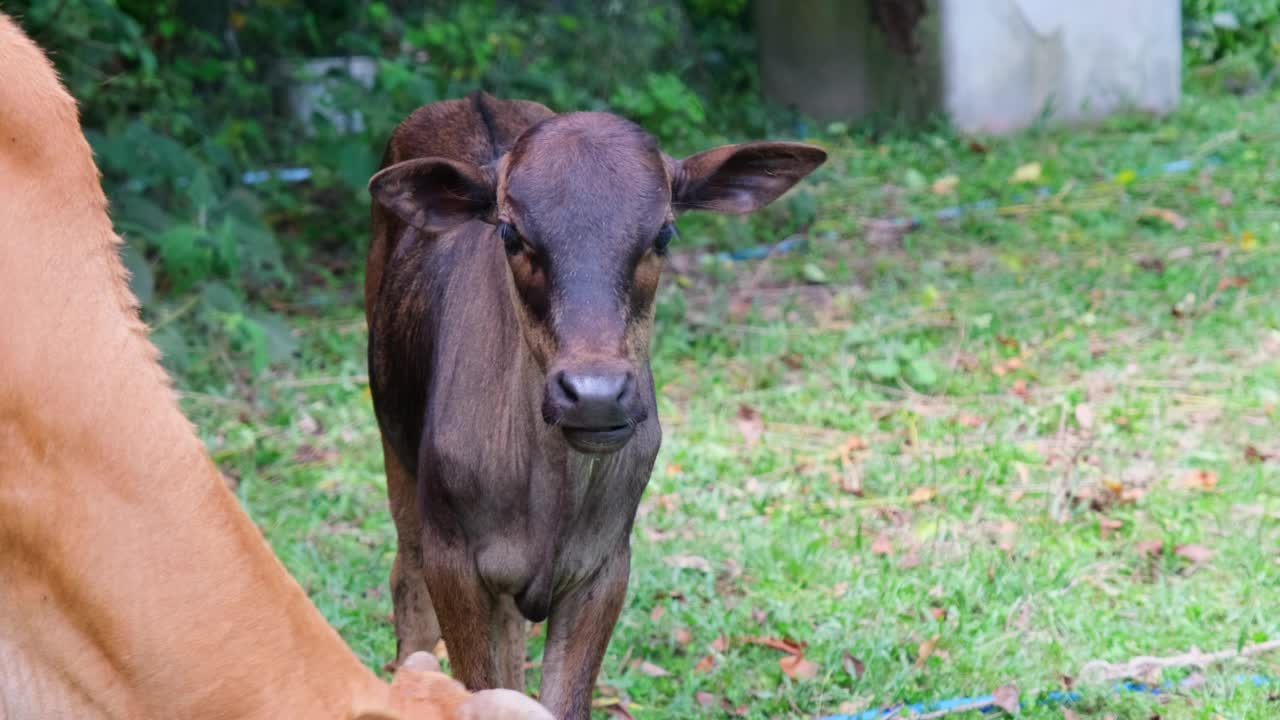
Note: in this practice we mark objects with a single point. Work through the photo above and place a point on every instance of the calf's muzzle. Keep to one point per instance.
(596, 407)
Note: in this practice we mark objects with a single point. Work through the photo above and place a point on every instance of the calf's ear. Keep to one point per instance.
(741, 178)
(434, 194)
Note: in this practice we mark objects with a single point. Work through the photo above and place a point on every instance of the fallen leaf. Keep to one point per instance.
(720, 644)
(683, 637)
(1195, 554)
(1007, 341)
(851, 479)
(1248, 241)
(881, 546)
(854, 706)
(650, 669)
(797, 668)
(1254, 455)
(1234, 281)
(945, 185)
(922, 494)
(656, 614)
(967, 420)
(925, 650)
(938, 613)
(1020, 389)
(1149, 547)
(669, 502)
(688, 562)
(306, 454)
(853, 666)
(616, 710)
(1084, 416)
(886, 233)
(791, 647)
(1199, 480)
(977, 147)
(1005, 697)
(705, 699)
(750, 424)
(1176, 221)
(1027, 173)
(1192, 681)
(705, 664)
(1108, 525)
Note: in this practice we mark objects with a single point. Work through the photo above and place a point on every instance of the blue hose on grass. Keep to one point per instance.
(987, 703)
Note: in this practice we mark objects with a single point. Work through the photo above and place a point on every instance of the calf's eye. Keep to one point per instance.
(664, 238)
(510, 239)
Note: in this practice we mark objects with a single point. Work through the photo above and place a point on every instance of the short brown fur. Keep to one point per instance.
(512, 273)
(132, 585)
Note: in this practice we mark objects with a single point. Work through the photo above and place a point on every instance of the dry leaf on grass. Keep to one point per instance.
(650, 669)
(706, 699)
(797, 668)
(688, 562)
(657, 612)
(1006, 698)
(1199, 480)
(1195, 554)
(1027, 173)
(750, 424)
(1149, 547)
(882, 545)
(850, 479)
(1084, 416)
(945, 185)
(1173, 219)
(786, 645)
(683, 637)
(925, 650)
(853, 666)
(720, 644)
(705, 664)
(922, 495)
(1254, 455)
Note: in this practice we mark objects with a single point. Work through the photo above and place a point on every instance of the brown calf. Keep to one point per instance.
(510, 289)
(132, 585)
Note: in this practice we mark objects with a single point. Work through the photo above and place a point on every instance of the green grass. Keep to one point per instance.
(1002, 509)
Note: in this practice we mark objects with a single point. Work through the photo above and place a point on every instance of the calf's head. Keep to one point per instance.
(585, 206)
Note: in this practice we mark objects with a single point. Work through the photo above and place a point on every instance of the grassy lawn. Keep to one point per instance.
(979, 454)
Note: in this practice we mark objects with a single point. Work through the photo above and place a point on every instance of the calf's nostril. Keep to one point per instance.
(567, 385)
(625, 390)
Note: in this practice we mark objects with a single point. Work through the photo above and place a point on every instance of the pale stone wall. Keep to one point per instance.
(991, 65)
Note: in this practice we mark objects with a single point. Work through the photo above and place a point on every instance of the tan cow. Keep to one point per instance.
(132, 585)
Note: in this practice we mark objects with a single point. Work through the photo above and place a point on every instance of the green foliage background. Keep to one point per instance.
(181, 97)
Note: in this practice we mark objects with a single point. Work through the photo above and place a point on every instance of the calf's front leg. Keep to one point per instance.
(578, 633)
(415, 617)
(466, 611)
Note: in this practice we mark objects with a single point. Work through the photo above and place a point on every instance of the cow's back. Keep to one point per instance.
(476, 129)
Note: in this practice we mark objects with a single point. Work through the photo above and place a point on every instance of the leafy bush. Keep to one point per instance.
(181, 98)
(1241, 37)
